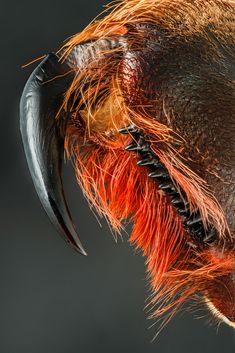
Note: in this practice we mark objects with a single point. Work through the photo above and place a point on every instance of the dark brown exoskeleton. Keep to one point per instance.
(143, 101)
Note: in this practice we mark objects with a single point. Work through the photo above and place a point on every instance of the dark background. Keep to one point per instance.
(51, 299)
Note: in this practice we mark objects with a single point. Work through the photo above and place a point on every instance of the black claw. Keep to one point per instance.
(43, 139)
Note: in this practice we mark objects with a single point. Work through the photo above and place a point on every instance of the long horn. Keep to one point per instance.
(43, 140)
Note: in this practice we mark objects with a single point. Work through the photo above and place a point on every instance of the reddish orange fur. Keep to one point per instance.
(110, 178)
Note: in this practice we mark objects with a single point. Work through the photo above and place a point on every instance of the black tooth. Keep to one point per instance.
(182, 212)
(124, 131)
(177, 201)
(150, 155)
(136, 134)
(133, 147)
(167, 185)
(145, 148)
(131, 129)
(160, 173)
(157, 164)
(196, 219)
(182, 206)
(146, 161)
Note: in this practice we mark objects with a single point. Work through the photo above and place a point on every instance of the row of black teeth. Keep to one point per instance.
(192, 221)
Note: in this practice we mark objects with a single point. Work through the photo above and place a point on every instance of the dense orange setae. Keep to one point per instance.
(109, 176)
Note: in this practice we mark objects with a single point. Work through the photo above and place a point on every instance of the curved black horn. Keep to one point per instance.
(43, 140)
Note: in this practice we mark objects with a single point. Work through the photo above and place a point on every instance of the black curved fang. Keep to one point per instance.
(192, 221)
(43, 140)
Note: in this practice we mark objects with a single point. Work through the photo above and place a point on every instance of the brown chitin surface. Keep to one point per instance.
(188, 84)
(175, 68)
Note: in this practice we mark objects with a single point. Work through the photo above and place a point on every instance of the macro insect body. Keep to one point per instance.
(143, 102)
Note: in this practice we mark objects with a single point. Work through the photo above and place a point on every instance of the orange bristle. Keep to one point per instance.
(115, 186)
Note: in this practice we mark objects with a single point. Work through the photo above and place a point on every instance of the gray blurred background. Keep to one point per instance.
(51, 299)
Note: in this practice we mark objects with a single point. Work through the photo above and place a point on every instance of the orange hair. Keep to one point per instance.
(115, 186)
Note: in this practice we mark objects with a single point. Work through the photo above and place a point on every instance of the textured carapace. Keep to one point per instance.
(164, 69)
